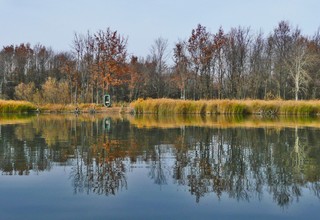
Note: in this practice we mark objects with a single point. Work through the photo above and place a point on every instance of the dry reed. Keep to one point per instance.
(10, 106)
(226, 106)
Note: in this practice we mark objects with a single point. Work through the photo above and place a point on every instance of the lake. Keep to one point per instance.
(146, 167)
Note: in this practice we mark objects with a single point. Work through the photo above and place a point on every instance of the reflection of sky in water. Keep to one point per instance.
(152, 190)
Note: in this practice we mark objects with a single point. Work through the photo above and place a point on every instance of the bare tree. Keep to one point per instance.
(297, 63)
(78, 47)
(281, 42)
(6, 68)
(237, 55)
(258, 75)
(42, 57)
(220, 40)
(181, 68)
(159, 56)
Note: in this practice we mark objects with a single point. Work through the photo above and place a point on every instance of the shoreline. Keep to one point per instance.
(163, 107)
(108, 110)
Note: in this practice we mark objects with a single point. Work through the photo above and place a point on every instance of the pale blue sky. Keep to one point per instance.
(53, 22)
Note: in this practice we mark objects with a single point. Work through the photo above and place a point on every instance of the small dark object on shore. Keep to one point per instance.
(77, 111)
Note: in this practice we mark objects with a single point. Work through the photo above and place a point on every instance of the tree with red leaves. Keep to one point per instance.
(111, 67)
(201, 48)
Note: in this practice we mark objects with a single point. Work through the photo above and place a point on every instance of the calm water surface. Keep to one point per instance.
(96, 167)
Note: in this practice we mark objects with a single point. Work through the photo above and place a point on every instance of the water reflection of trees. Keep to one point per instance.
(20, 156)
(241, 163)
(98, 175)
(159, 169)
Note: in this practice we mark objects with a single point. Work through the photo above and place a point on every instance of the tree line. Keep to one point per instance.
(237, 64)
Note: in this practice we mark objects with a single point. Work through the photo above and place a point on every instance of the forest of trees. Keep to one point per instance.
(237, 64)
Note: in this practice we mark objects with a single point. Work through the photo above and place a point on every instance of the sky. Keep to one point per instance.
(53, 22)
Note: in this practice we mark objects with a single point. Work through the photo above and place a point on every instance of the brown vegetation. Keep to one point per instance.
(16, 106)
(235, 107)
(226, 64)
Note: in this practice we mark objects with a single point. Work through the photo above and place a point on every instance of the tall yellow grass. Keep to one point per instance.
(10, 106)
(226, 106)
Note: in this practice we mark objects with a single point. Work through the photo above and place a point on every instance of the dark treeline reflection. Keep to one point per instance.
(241, 163)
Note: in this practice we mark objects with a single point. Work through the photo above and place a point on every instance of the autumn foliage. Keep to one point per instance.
(234, 64)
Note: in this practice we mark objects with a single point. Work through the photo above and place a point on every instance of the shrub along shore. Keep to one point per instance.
(235, 107)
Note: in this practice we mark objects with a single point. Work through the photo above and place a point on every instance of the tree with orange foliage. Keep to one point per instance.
(111, 69)
(314, 69)
(201, 48)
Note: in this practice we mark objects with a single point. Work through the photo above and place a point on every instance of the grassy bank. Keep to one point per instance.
(235, 107)
(9, 106)
(174, 106)
(83, 108)
(70, 108)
